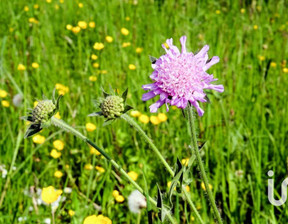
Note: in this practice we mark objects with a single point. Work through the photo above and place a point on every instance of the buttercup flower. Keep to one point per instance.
(119, 198)
(58, 144)
(109, 39)
(136, 201)
(92, 24)
(50, 194)
(55, 154)
(112, 106)
(5, 103)
(181, 77)
(3, 93)
(90, 127)
(93, 219)
(58, 174)
(133, 175)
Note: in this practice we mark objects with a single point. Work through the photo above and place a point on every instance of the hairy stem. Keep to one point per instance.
(155, 149)
(200, 163)
(145, 136)
(61, 124)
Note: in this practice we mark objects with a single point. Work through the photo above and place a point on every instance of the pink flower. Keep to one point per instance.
(181, 77)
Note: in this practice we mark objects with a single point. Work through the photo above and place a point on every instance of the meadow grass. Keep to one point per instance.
(245, 128)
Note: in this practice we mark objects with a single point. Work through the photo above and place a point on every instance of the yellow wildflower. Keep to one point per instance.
(36, 6)
(133, 175)
(155, 120)
(50, 194)
(169, 185)
(127, 18)
(5, 103)
(162, 117)
(58, 144)
(139, 50)
(48, 1)
(187, 188)
(255, 27)
(57, 115)
(135, 113)
(120, 198)
(100, 169)
(69, 27)
(33, 20)
(94, 57)
(93, 219)
(71, 212)
(204, 188)
(185, 161)
(217, 12)
(61, 1)
(144, 119)
(90, 127)
(132, 67)
(242, 11)
(88, 166)
(261, 58)
(82, 25)
(62, 89)
(35, 103)
(3, 93)
(273, 64)
(35, 65)
(174, 108)
(95, 65)
(58, 174)
(26, 8)
(38, 139)
(285, 70)
(124, 31)
(92, 24)
(80, 5)
(98, 46)
(103, 72)
(56, 6)
(55, 154)
(92, 78)
(76, 29)
(126, 44)
(115, 193)
(109, 39)
(94, 151)
(21, 67)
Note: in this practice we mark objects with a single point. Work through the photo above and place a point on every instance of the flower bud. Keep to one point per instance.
(43, 111)
(112, 106)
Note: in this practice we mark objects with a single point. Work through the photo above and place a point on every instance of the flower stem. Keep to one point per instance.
(200, 163)
(187, 196)
(61, 124)
(155, 149)
(145, 136)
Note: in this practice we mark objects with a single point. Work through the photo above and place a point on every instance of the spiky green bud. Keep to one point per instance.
(112, 107)
(43, 111)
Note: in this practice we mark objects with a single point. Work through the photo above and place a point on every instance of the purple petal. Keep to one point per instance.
(183, 44)
(154, 107)
(203, 51)
(213, 61)
(148, 96)
(199, 110)
(150, 86)
(219, 88)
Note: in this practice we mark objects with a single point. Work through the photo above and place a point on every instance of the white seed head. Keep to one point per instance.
(136, 201)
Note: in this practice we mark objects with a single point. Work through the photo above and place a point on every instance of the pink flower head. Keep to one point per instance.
(181, 77)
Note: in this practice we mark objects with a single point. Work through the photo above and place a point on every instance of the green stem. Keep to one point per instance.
(61, 124)
(192, 205)
(200, 163)
(143, 134)
(155, 149)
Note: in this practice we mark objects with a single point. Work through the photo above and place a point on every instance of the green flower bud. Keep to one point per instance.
(43, 111)
(112, 107)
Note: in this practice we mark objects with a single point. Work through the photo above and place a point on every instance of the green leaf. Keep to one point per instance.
(160, 205)
(127, 108)
(32, 130)
(96, 114)
(124, 95)
(57, 103)
(149, 210)
(108, 122)
(104, 93)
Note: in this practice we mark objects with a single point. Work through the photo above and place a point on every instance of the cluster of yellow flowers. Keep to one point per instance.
(61, 89)
(117, 196)
(145, 119)
(22, 67)
(93, 219)
(4, 94)
(81, 25)
(89, 166)
(58, 145)
(38, 139)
